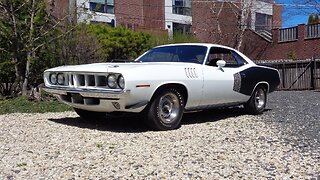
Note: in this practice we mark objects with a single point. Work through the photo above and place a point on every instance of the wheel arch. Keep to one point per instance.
(264, 84)
(180, 87)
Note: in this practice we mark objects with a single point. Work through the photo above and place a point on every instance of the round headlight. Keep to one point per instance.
(53, 78)
(60, 79)
(112, 81)
(121, 82)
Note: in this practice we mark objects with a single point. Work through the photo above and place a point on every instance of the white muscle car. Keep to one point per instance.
(165, 82)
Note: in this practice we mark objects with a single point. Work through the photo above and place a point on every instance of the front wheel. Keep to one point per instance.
(257, 102)
(89, 115)
(165, 111)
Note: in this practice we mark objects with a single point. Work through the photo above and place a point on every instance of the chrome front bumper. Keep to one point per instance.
(97, 99)
(90, 93)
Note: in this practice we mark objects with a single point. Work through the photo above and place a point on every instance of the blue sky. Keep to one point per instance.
(295, 12)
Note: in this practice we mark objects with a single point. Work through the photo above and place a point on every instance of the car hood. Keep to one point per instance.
(111, 67)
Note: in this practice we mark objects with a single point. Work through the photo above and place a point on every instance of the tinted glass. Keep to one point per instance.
(231, 58)
(182, 53)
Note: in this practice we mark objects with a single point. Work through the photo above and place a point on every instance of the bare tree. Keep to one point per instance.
(246, 8)
(300, 8)
(28, 26)
(229, 20)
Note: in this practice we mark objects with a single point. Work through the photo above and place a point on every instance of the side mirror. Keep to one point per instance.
(221, 64)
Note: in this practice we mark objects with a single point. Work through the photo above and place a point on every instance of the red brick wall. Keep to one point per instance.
(254, 45)
(205, 20)
(300, 49)
(140, 13)
(153, 11)
(277, 16)
(129, 12)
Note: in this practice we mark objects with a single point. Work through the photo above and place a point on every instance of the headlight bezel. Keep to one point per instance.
(121, 81)
(114, 81)
(55, 81)
(63, 79)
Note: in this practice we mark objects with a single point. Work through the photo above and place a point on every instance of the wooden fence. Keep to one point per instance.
(296, 74)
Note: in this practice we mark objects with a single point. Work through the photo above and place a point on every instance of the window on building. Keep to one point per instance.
(182, 7)
(103, 6)
(110, 6)
(181, 28)
(263, 22)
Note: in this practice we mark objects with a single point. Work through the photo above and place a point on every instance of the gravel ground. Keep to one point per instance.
(283, 143)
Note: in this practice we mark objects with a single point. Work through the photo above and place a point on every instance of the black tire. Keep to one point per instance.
(166, 110)
(257, 102)
(89, 115)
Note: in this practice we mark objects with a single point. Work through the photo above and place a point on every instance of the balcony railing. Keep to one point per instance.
(312, 31)
(288, 34)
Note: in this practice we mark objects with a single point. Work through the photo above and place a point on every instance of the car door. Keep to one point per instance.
(219, 83)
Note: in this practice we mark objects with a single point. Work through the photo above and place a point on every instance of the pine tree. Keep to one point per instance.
(316, 19)
(310, 20)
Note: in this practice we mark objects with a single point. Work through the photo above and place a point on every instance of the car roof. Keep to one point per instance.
(209, 45)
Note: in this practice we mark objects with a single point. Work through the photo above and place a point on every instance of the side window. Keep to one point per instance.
(239, 58)
(232, 58)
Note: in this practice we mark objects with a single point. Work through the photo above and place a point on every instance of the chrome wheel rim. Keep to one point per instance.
(260, 98)
(168, 107)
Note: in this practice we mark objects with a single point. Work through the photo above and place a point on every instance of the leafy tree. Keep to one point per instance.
(30, 42)
(7, 77)
(26, 28)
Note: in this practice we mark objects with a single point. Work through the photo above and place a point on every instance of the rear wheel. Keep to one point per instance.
(257, 102)
(165, 111)
(89, 115)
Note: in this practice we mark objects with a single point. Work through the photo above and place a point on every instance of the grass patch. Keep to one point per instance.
(21, 104)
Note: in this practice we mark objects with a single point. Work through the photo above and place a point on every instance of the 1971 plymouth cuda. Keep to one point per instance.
(165, 82)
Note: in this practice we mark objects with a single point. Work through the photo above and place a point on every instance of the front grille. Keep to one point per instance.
(77, 80)
(86, 80)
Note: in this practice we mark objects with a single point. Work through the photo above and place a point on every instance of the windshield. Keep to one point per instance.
(179, 53)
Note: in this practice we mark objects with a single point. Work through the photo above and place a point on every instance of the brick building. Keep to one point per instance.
(214, 20)
(138, 14)
(223, 22)
(171, 15)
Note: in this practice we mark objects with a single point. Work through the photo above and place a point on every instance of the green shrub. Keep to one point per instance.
(119, 42)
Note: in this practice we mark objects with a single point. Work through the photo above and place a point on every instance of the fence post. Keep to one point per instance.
(312, 73)
(283, 76)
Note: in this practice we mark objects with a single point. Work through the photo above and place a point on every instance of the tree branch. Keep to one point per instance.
(52, 28)
(61, 35)
(3, 50)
